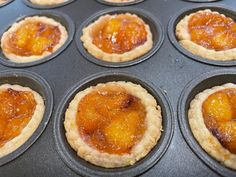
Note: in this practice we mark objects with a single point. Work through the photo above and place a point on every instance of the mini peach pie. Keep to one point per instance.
(47, 2)
(212, 118)
(113, 124)
(33, 38)
(208, 34)
(117, 38)
(21, 111)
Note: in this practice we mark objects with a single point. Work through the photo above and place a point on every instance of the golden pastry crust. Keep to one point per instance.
(204, 137)
(151, 136)
(127, 56)
(185, 40)
(30, 128)
(3, 1)
(47, 2)
(15, 26)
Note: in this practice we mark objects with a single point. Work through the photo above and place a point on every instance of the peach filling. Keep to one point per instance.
(213, 31)
(33, 38)
(16, 110)
(219, 112)
(119, 34)
(111, 120)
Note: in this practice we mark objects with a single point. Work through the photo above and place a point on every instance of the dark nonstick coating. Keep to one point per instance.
(152, 21)
(168, 69)
(205, 81)
(84, 168)
(38, 84)
(186, 11)
(36, 6)
(64, 19)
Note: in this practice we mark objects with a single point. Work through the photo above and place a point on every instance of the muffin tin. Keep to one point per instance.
(154, 24)
(165, 74)
(38, 84)
(64, 19)
(84, 168)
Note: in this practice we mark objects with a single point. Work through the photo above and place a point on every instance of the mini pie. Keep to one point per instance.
(47, 2)
(117, 38)
(208, 34)
(33, 38)
(212, 118)
(21, 111)
(113, 124)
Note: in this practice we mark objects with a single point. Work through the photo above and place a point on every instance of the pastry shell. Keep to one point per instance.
(47, 2)
(184, 38)
(30, 128)
(142, 148)
(138, 51)
(23, 59)
(204, 137)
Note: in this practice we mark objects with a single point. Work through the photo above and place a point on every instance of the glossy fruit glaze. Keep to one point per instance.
(111, 120)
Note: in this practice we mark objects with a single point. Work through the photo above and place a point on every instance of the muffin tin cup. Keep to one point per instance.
(119, 4)
(205, 81)
(80, 166)
(64, 19)
(38, 84)
(37, 6)
(155, 26)
(181, 14)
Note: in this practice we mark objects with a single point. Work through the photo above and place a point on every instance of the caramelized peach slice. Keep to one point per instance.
(120, 34)
(219, 113)
(16, 110)
(212, 31)
(111, 120)
(121, 133)
(218, 106)
(33, 38)
(227, 135)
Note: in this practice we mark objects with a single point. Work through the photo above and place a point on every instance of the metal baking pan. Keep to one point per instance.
(167, 70)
